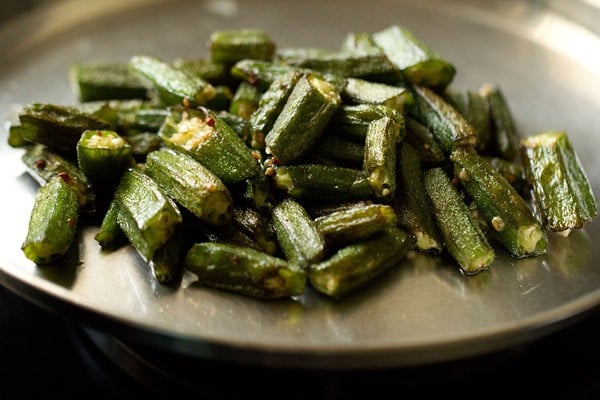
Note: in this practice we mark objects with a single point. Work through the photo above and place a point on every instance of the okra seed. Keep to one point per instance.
(463, 175)
(498, 224)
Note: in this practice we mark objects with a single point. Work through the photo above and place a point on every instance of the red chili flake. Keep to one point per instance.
(71, 222)
(64, 176)
(40, 163)
(275, 160)
(455, 181)
(210, 121)
(252, 79)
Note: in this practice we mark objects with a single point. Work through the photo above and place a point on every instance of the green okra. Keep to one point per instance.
(447, 125)
(258, 191)
(244, 270)
(343, 63)
(56, 126)
(211, 141)
(502, 207)
(105, 81)
(358, 263)
(110, 234)
(421, 138)
(191, 184)
(15, 136)
(463, 238)
(342, 151)
(352, 121)
(323, 183)
(380, 156)
(245, 100)
(167, 262)
(360, 91)
(44, 164)
(263, 73)
(239, 125)
(303, 118)
(147, 216)
(353, 224)
(476, 110)
(561, 191)
(360, 42)
(102, 151)
(127, 116)
(270, 106)
(504, 141)
(232, 45)
(297, 234)
(419, 64)
(173, 86)
(52, 222)
(412, 204)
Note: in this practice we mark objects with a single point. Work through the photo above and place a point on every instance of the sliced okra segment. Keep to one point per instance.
(270, 106)
(504, 141)
(476, 110)
(230, 46)
(447, 125)
(353, 224)
(352, 121)
(244, 270)
(502, 207)
(211, 141)
(562, 193)
(263, 73)
(15, 136)
(379, 162)
(412, 203)
(322, 183)
(360, 42)
(360, 91)
(44, 164)
(52, 222)
(147, 216)
(56, 126)
(421, 138)
(105, 81)
(110, 234)
(191, 184)
(128, 116)
(173, 86)
(463, 237)
(343, 63)
(166, 264)
(297, 234)
(245, 100)
(303, 118)
(358, 263)
(419, 63)
(102, 151)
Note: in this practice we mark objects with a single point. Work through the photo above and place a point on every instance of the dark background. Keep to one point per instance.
(44, 355)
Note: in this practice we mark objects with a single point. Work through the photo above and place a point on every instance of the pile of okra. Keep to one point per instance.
(265, 171)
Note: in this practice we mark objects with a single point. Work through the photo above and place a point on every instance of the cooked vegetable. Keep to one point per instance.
(380, 156)
(504, 141)
(229, 46)
(302, 119)
(53, 222)
(146, 215)
(244, 270)
(106, 81)
(500, 204)
(463, 237)
(562, 193)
